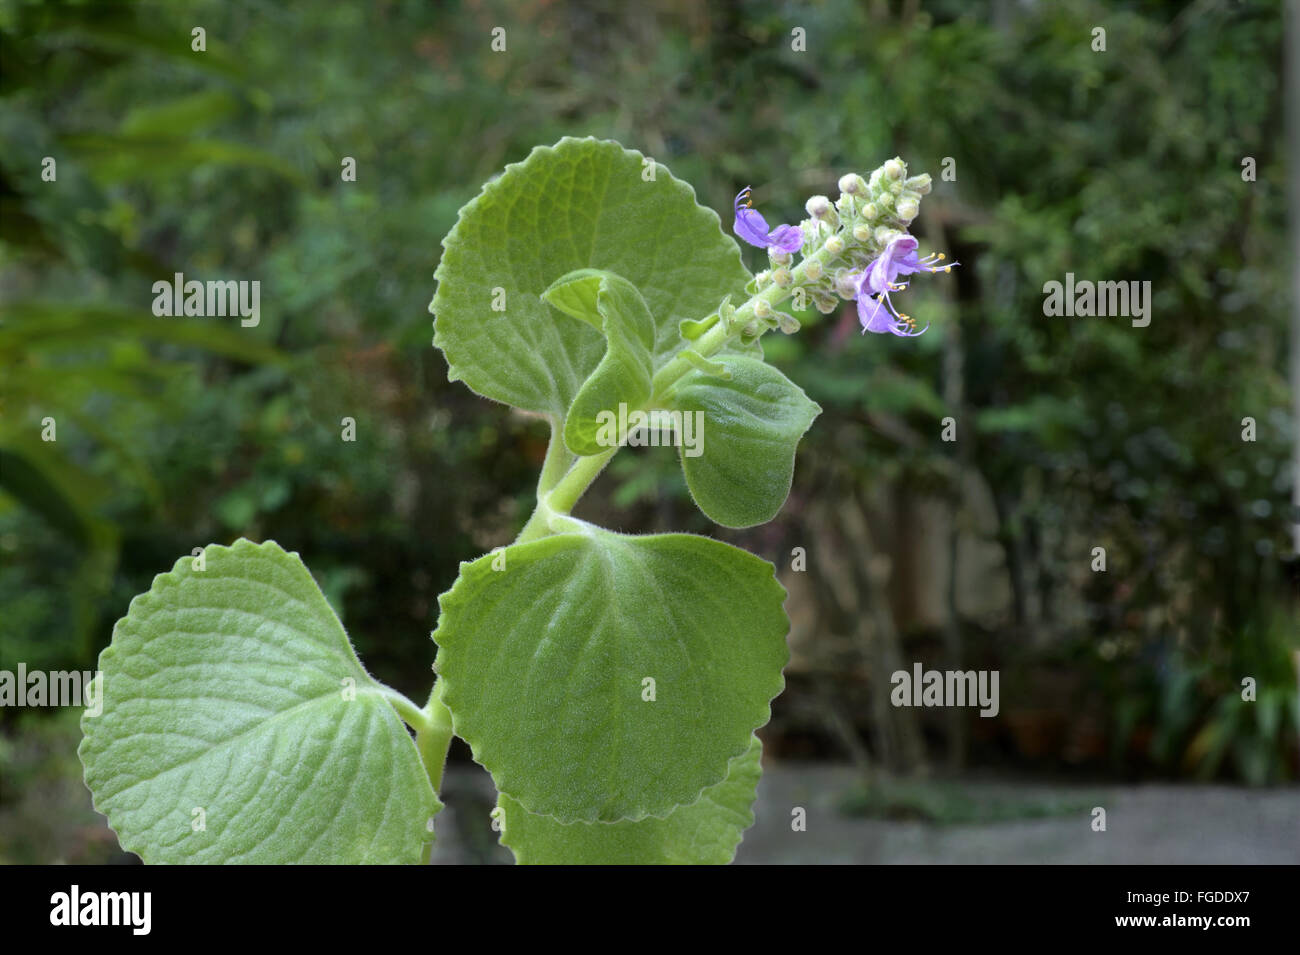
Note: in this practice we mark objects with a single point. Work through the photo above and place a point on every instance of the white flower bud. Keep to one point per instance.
(884, 234)
(871, 211)
(779, 258)
(819, 207)
(762, 279)
(762, 308)
(885, 202)
(813, 270)
(852, 185)
(908, 208)
(874, 183)
(787, 323)
(825, 304)
(835, 245)
(845, 286)
(862, 232)
(894, 169)
(921, 184)
(782, 277)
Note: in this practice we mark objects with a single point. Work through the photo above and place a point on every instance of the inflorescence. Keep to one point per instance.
(854, 249)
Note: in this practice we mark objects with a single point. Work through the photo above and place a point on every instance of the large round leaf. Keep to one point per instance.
(706, 832)
(547, 651)
(582, 203)
(238, 725)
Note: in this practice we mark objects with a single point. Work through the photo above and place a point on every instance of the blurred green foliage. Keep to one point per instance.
(173, 433)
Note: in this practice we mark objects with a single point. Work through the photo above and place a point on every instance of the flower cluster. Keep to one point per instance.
(854, 249)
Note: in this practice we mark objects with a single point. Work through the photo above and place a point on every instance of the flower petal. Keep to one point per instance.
(901, 247)
(874, 316)
(751, 226)
(786, 238)
(879, 275)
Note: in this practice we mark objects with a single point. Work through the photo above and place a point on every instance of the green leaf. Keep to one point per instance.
(706, 832)
(715, 369)
(691, 329)
(225, 690)
(611, 304)
(582, 203)
(751, 427)
(544, 661)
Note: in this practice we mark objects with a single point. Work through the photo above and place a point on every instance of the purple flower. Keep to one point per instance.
(879, 315)
(876, 309)
(752, 227)
(899, 258)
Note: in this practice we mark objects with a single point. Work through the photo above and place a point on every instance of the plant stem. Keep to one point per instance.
(575, 483)
(411, 714)
(558, 460)
(566, 492)
(433, 738)
(716, 337)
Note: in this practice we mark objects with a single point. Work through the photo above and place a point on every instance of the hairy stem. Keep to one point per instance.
(566, 493)
(575, 483)
(411, 714)
(433, 737)
(716, 338)
(558, 460)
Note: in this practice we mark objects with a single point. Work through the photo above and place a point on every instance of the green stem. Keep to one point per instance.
(712, 341)
(558, 460)
(537, 525)
(433, 738)
(575, 483)
(411, 714)
(566, 492)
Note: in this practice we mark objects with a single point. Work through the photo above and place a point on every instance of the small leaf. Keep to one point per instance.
(228, 732)
(580, 204)
(546, 661)
(613, 305)
(691, 329)
(706, 832)
(751, 427)
(697, 361)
